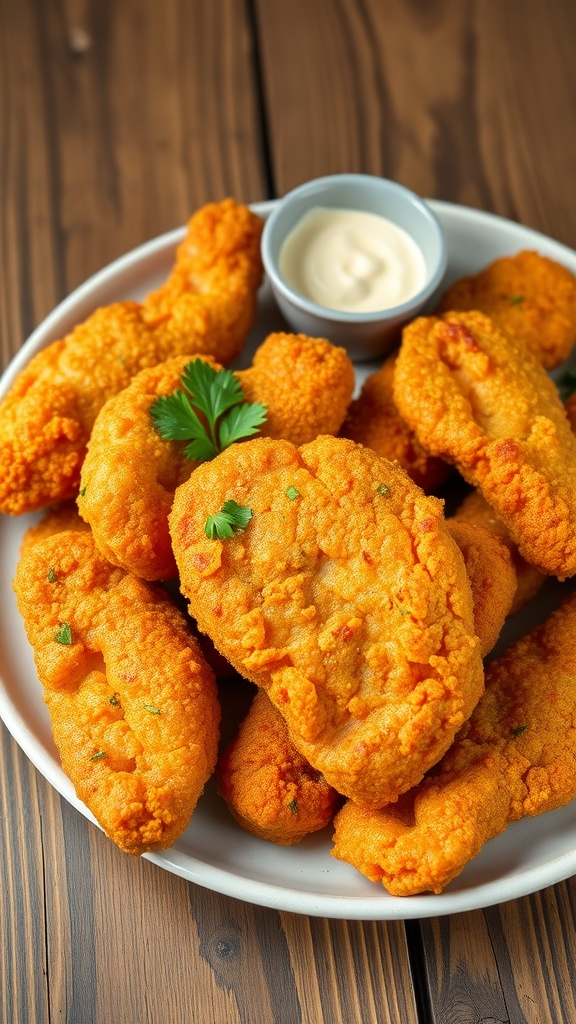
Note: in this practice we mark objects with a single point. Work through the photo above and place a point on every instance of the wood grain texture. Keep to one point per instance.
(473, 102)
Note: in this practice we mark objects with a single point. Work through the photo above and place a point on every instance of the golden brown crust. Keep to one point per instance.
(269, 787)
(515, 757)
(350, 605)
(476, 511)
(529, 296)
(476, 398)
(56, 520)
(374, 420)
(130, 474)
(132, 702)
(492, 579)
(47, 416)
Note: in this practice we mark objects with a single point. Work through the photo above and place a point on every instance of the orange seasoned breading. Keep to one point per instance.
(492, 579)
(56, 520)
(47, 416)
(476, 398)
(130, 473)
(515, 757)
(269, 787)
(476, 511)
(132, 702)
(213, 286)
(345, 598)
(374, 420)
(529, 296)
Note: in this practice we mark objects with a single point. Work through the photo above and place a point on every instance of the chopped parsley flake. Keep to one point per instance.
(114, 701)
(64, 634)
(516, 732)
(516, 300)
(382, 489)
(52, 577)
(82, 491)
(293, 805)
(98, 756)
(292, 493)
(152, 710)
(231, 518)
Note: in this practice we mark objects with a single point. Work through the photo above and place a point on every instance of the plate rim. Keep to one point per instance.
(376, 907)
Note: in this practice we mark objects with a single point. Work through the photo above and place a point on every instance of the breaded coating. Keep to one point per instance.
(130, 473)
(345, 598)
(476, 511)
(269, 787)
(492, 578)
(476, 398)
(374, 420)
(47, 416)
(305, 383)
(132, 702)
(56, 520)
(531, 297)
(515, 757)
(212, 290)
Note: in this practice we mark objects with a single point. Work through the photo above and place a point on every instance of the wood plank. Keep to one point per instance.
(106, 147)
(473, 103)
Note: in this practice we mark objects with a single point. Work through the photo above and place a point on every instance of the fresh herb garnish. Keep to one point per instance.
(64, 634)
(293, 805)
(229, 520)
(566, 384)
(382, 489)
(82, 491)
(516, 300)
(292, 493)
(52, 577)
(114, 701)
(516, 732)
(96, 757)
(153, 710)
(218, 396)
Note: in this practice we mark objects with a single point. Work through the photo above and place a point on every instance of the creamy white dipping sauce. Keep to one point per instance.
(351, 261)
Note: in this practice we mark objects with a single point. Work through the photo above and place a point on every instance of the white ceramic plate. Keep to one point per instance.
(214, 851)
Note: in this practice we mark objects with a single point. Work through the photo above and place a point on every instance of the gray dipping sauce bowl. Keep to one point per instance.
(364, 335)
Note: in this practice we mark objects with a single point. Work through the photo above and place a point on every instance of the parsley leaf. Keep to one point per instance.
(292, 493)
(64, 634)
(231, 518)
(218, 397)
(516, 300)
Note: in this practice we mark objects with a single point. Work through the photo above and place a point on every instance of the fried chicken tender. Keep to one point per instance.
(476, 398)
(515, 757)
(56, 520)
(348, 602)
(133, 704)
(374, 420)
(269, 787)
(47, 416)
(130, 473)
(476, 511)
(492, 579)
(531, 297)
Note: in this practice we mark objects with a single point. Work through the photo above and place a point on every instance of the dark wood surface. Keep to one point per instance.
(116, 121)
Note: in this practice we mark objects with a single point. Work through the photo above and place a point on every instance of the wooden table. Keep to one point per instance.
(117, 120)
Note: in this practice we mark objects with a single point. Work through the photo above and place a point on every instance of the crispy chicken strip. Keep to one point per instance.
(47, 416)
(374, 420)
(130, 474)
(132, 702)
(492, 578)
(476, 511)
(269, 787)
(531, 297)
(345, 598)
(515, 757)
(475, 397)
